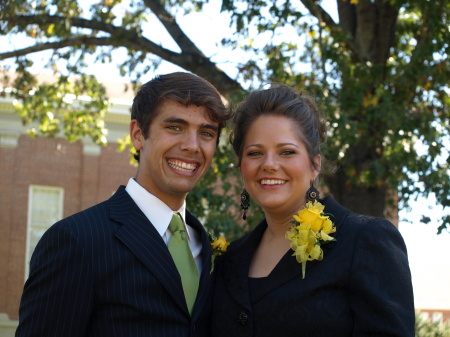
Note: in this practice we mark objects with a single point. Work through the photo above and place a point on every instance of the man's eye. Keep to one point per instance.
(173, 127)
(207, 134)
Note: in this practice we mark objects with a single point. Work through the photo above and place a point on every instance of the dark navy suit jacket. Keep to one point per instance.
(362, 287)
(106, 271)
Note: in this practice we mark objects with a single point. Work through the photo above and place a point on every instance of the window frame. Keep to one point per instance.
(33, 192)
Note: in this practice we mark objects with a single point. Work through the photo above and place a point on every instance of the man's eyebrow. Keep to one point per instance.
(210, 126)
(175, 120)
(182, 121)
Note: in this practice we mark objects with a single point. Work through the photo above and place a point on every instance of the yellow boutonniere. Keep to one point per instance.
(218, 246)
(311, 229)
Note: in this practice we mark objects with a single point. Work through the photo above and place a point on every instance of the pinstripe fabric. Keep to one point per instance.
(107, 272)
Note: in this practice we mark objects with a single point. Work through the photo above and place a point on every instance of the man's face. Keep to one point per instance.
(177, 153)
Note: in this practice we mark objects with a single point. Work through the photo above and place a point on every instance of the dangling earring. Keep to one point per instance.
(312, 194)
(245, 202)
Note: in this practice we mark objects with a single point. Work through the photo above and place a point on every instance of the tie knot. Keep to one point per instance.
(176, 224)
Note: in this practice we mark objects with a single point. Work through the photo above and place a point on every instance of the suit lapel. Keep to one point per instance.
(142, 239)
(287, 269)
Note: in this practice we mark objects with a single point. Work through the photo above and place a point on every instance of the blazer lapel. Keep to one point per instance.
(236, 263)
(287, 269)
(142, 239)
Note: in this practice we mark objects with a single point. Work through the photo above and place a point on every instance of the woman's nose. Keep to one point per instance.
(270, 164)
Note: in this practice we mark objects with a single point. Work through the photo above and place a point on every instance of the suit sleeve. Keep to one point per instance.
(58, 296)
(381, 292)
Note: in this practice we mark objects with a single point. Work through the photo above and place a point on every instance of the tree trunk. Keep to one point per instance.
(371, 30)
(371, 25)
(363, 200)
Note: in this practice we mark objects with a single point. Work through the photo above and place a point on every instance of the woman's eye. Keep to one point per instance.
(287, 152)
(253, 153)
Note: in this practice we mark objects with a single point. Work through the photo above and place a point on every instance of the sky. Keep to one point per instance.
(429, 254)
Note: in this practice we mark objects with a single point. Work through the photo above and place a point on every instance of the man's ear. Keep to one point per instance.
(136, 136)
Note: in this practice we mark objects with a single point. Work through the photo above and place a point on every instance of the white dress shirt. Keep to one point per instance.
(160, 215)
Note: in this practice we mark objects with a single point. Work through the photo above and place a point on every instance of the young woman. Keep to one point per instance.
(347, 276)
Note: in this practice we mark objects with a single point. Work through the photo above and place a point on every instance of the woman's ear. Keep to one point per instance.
(136, 136)
(317, 165)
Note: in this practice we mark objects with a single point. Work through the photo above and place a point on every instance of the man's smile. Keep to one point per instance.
(182, 166)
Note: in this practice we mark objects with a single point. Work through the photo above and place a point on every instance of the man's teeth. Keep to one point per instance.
(272, 182)
(182, 166)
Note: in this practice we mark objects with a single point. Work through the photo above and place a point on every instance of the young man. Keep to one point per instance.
(110, 270)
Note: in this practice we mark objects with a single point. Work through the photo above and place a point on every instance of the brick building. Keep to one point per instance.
(43, 180)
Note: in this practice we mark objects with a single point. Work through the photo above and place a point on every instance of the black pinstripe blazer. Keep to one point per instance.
(107, 272)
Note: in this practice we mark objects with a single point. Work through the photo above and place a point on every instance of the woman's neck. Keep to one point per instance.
(277, 225)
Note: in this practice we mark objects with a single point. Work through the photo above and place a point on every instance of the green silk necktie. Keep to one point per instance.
(184, 261)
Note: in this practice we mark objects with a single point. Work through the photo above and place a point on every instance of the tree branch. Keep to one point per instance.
(191, 60)
(172, 27)
(70, 42)
(76, 22)
(120, 37)
(318, 12)
(347, 16)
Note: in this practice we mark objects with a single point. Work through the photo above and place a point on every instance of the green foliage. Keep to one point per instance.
(380, 74)
(425, 328)
(216, 199)
(74, 107)
(380, 107)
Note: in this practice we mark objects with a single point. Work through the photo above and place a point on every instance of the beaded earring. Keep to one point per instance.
(245, 202)
(312, 193)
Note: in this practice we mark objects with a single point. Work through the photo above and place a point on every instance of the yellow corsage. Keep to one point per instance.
(218, 246)
(311, 229)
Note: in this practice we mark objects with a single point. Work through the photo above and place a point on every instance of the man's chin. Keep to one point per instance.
(181, 187)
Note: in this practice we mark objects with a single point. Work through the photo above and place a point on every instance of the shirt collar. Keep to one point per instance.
(153, 208)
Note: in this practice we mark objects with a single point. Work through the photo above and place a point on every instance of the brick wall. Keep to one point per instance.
(433, 315)
(87, 180)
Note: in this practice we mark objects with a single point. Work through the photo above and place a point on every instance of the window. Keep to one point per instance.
(425, 316)
(45, 207)
(437, 317)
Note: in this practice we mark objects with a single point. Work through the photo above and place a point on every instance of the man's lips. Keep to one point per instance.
(182, 165)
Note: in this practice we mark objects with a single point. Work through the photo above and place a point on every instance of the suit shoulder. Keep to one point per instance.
(353, 226)
(368, 222)
(340, 214)
(370, 231)
(97, 211)
(89, 223)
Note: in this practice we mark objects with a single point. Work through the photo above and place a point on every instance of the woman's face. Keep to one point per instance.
(275, 165)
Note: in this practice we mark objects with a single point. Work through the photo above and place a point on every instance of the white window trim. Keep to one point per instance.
(31, 191)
